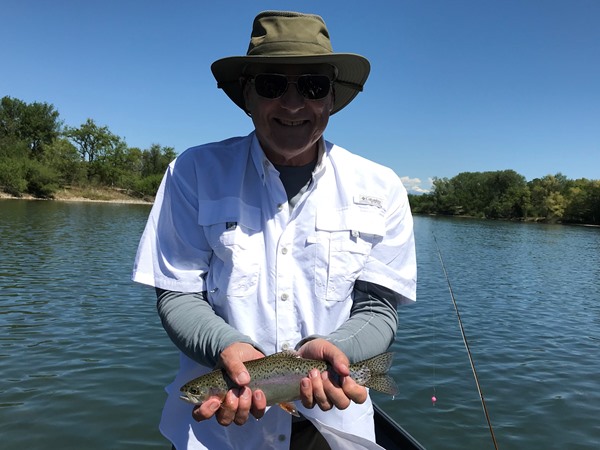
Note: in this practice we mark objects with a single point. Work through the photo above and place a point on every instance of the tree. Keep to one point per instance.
(36, 124)
(156, 159)
(63, 157)
(93, 141)
(548, 196)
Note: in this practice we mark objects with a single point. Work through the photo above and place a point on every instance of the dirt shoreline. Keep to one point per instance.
(80, 195)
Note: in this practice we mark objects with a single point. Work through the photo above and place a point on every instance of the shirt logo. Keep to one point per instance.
(364, 199)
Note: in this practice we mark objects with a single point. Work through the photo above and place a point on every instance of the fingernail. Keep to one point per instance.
(244, 378)
(258, 395)
(314, 373)
(214, 406)
(305, 383)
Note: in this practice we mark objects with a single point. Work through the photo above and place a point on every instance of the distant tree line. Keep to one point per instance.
(507, 195)
(39, 155)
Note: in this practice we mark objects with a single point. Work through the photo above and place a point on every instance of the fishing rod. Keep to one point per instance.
(464, 337)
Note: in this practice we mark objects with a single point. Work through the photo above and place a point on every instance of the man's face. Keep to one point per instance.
(289, 127)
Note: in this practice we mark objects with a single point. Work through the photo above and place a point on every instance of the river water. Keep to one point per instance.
(83, 358)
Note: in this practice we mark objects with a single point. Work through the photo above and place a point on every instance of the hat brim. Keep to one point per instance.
(353, 71)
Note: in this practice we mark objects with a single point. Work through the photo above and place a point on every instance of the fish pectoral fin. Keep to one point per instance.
(290, 408)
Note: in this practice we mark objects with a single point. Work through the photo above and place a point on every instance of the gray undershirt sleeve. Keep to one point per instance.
(202, 335)
(194, 328)
(371, 328)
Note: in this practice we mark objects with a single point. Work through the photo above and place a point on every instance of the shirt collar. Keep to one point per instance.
(262, 163)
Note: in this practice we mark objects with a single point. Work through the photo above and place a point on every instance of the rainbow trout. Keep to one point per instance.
(279, 375)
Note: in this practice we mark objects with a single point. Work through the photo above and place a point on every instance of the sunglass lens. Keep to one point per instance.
(270, 85)
(314, 87)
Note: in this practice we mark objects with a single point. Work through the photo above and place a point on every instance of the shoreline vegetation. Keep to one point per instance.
(42, 158)
(75, 194)
(506, 195)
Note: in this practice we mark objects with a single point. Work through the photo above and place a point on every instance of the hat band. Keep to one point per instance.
(289, 49)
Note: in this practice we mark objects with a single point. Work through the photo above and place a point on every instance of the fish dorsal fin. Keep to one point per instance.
(285, 354)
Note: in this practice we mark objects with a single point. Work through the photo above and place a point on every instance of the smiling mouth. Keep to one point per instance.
(291, 123)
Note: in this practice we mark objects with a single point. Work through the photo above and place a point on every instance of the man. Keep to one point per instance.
(277, 241)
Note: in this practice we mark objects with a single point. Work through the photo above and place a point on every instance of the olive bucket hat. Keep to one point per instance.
(282, 37)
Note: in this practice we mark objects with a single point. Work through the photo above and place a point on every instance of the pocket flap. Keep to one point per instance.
(230, 209)
(363, 219)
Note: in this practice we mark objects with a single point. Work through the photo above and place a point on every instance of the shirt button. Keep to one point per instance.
(284, 297)
(284, 251)
(281, 437)
(285, 346)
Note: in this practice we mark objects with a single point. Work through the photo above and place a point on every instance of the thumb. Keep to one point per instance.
(337, 358)
(238, 373)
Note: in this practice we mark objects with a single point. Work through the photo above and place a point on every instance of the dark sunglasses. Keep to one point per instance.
(311, 87)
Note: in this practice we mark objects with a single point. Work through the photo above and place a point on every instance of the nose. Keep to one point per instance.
(291, 99)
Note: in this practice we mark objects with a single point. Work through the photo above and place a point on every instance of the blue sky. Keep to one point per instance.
(455, 85)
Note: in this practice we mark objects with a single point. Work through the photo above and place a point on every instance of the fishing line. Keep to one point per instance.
(464, 337)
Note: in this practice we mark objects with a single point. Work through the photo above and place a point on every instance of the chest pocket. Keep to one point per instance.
(342, 244)
(233, 230)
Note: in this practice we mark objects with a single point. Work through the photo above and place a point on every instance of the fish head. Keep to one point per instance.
(197, 394)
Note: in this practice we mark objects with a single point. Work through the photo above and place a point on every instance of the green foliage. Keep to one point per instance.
(35, 124)
(12, 176)
(42, 181)
(506, 195)
(147, 186)
(63, 158)
(37, 158)
(93, 141)
(22, 175)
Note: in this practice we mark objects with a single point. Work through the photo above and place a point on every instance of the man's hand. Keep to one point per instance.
(238, 404)
(318, 389)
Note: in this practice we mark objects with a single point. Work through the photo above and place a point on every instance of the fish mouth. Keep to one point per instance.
(190, 398)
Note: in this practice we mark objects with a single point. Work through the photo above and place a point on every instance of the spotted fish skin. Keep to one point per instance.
(279, 375)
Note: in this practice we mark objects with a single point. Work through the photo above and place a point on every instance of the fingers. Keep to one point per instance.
(235, 408)
(318, 389)
(206, 410)
(238, 403)
(259, 404)
(354, 391)
(324, 350)
(306, 393)
(334, 392)
(312, 391)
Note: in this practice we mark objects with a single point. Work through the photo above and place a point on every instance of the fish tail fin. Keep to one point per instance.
(379, 364)
(372, 373)
(383, 383)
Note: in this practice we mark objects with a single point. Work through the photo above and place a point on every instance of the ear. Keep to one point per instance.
(246, 93)
(332, 98)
